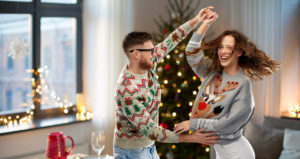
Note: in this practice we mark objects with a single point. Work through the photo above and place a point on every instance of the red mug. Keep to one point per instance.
(56, 146)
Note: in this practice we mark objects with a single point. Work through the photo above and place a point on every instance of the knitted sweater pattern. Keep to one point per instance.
(138, 97)
(224, 103)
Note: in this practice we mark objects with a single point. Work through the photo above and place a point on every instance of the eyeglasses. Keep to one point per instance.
(144, 50)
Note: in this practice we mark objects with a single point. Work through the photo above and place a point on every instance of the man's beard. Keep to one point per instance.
(144, 64)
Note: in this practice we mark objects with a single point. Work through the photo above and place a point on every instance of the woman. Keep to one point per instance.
(225, 102)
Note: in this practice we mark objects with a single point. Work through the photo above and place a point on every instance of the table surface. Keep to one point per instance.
(85, 156)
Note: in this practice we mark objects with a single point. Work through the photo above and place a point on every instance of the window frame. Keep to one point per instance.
(39, 10)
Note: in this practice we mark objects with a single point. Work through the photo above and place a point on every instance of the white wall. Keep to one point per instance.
(290, 74)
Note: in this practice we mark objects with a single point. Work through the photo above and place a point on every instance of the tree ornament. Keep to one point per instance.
(164, 125)
(159, 69)
(167, 67)
(165, 31)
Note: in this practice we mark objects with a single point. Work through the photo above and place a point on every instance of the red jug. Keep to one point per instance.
(56, 146)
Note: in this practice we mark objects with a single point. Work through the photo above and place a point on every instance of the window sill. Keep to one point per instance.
(291, 118)
(40, 124)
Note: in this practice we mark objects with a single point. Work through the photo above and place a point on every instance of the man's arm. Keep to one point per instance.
(199, 136)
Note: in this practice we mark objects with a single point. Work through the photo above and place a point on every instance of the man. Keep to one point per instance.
(138, 95)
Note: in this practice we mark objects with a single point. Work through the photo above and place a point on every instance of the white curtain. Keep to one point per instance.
(105, 23)
(272, 25)
(260, 21)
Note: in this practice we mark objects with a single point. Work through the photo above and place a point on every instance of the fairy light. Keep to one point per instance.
(162, 61)
(174, 114)
(165, 81)
(66, 111)
(174, 85)
(178, 105)
(161, 104)
(190, 103)
(194, 78)
(177, 62)
(176, 51)
(179, 74)
(199, 87)
(207, 149)
(41, 86)
(168, 56)
(194, 92)
(173, 146)
(178, 90)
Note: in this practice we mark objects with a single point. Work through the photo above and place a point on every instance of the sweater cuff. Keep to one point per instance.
(194, 124)
(187, 28)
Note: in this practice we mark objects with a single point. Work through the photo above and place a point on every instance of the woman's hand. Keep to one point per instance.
(182, 127)
(203, 15)
(209, 17)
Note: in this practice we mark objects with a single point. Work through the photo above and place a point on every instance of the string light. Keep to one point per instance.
(176, 51)
(161, 104)
(194, 78)
(168, 56)
(194, 92)
(165, 81)
(191, 103)
(178, 90)
(177, 62)
(174, 85)
(66, 111)
(173, 146)
(40, 87)
(178, 105)
(179, 74)
(207, 149)
(162, 61)
(174, 114)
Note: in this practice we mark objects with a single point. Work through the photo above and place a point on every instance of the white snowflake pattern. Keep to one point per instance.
(17, 48)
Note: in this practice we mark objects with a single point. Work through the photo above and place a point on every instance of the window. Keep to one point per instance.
(8, 100)
(10, 63)
(40, 48)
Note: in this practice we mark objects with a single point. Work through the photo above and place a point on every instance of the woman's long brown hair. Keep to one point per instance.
(255, 63)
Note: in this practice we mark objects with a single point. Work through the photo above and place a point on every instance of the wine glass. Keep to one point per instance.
(98, 141)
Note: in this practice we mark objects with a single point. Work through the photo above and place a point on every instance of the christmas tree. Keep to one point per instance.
(179, 83)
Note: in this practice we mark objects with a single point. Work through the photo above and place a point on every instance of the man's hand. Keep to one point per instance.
(199, 136)
(202, 15)
(182, 127)
(205, 13)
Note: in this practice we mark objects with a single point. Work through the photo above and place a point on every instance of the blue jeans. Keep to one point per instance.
(138, 153)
